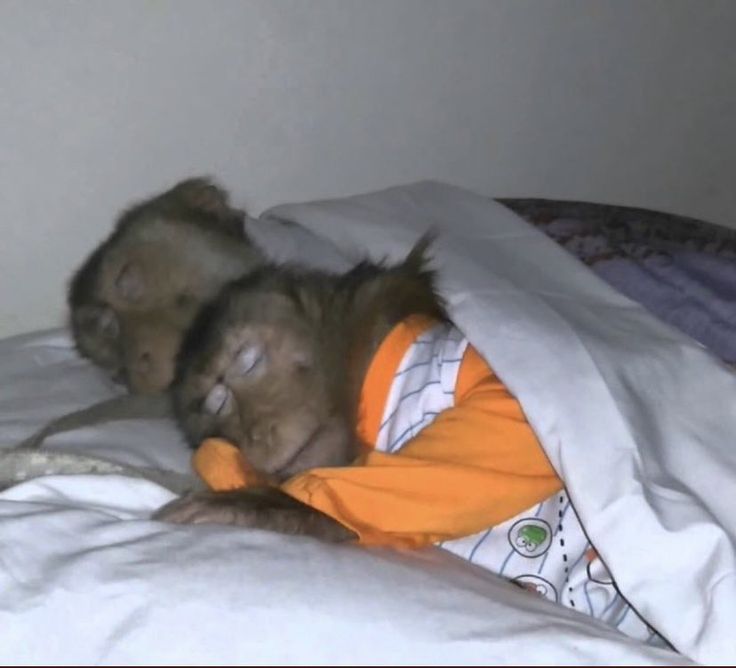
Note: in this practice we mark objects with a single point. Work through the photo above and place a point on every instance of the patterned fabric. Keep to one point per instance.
(681, 269)
(543, 549)
(424, 385)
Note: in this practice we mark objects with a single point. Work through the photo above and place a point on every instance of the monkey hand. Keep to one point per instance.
(264, 508)
(223, 468)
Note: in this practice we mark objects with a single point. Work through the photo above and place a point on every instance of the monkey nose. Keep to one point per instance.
(144, 363)
(264, 434)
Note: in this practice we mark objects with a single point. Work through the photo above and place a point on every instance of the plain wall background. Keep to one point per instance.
(620, 101)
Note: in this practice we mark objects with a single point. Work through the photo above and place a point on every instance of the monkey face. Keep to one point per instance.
(96, 330)
(135, 347)
(145, 296)
(260, 380)
(137, 293)
(151, 291)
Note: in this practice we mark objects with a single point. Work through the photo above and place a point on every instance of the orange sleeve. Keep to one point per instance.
(478, 464)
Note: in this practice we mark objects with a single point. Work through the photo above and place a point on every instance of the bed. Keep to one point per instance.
(634, 408)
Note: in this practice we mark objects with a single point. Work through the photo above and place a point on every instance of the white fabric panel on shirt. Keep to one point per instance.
(424, 385)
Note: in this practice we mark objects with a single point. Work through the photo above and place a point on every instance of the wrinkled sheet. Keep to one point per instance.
(86, 578)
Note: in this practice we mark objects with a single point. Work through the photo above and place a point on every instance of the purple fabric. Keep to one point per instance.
(682, 270)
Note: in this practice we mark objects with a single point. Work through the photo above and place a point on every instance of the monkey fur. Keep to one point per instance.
(274, 365)
(134, 296)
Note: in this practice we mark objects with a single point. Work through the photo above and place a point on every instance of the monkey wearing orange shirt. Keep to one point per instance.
(294, 368)
(349, 407)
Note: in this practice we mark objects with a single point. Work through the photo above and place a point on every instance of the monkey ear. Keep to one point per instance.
(203, 195)
(129, 283)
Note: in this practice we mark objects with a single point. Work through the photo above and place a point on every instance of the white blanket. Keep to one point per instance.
(637, 418)
(623, 405)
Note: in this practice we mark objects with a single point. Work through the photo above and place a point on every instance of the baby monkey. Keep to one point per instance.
(131, 300)
(275, 366)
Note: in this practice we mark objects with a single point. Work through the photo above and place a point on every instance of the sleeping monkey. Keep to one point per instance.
(136, 293)
(369, 416)
(305, 336)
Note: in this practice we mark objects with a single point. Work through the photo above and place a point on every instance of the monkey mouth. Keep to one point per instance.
(291, 466)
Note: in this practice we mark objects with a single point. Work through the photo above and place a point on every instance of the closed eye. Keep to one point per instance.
(247, 361)
(108, 323)
(219, 401)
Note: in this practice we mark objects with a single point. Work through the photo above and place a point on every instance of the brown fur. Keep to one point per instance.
(260, 508)
(137, 292)
(275, 365)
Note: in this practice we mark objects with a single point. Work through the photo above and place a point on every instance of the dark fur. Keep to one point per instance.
(350, 313)
(308, 412)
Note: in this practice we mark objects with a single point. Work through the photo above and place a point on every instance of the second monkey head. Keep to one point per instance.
(137, 292)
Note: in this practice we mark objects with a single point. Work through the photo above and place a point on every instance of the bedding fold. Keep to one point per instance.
(636, 417)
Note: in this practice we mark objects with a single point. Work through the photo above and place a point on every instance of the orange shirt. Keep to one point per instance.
(477, 464)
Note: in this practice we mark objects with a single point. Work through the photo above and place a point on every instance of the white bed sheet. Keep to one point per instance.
(86, 578)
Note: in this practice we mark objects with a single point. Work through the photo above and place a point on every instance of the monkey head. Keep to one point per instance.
(275, 363)
(138, 291)
(260, 369)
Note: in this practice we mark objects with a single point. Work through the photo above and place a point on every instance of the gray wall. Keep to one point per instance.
(626, 101)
